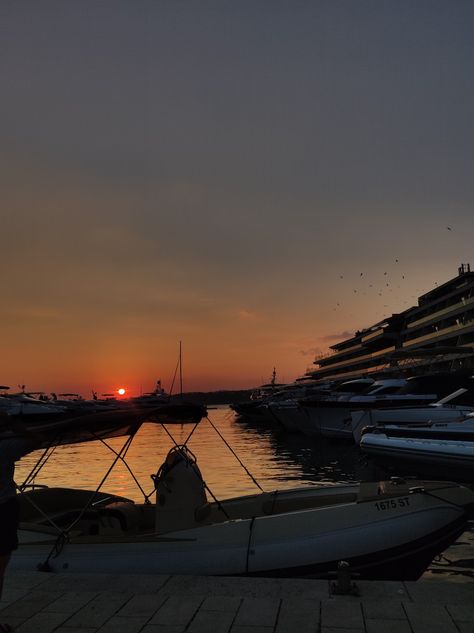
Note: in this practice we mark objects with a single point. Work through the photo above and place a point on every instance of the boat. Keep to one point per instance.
(453, 407)
(451, 455)
(252, 409)
(386, 530)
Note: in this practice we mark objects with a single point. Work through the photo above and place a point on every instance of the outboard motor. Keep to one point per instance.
(180, 491)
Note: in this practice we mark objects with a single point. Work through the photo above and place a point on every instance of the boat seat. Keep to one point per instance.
(125, 515)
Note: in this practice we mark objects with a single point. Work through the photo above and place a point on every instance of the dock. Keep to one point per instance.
(38, 602)
(442, 601)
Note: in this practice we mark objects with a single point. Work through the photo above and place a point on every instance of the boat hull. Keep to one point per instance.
(421, 456)
(385, 538)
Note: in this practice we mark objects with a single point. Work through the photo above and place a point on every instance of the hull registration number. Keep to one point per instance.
(392, 504)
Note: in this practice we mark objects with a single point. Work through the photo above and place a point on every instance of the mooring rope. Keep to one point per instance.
(234, 454)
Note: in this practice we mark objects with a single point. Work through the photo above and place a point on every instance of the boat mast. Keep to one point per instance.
(180, 369)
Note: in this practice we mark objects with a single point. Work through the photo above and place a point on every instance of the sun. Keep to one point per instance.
(121, 391)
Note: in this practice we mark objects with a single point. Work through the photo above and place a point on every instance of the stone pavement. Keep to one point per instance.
(37, 602)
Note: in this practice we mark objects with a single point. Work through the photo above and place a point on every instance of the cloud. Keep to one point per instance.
(312, 351)
(248, 315)
(337, 337)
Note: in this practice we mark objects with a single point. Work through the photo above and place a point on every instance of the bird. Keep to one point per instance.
(449, 228)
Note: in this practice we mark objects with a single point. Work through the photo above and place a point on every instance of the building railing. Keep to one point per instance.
(439, 313)
(458, 328)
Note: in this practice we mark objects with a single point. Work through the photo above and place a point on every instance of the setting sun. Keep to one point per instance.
(121, 391)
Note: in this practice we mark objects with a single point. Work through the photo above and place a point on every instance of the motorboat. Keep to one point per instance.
(332, 417)
(385, 530)
(253, 409)
(431, 456)
(291, 412)
(447, 409)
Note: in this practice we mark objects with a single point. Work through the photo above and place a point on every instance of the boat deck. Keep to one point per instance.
(441, 602)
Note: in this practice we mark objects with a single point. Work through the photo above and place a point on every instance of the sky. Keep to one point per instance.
(238, 176)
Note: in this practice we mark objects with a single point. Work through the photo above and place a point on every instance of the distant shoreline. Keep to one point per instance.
(216, 397)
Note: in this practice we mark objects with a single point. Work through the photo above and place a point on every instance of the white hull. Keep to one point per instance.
(432, 456)
(377, 532)
(405, 415)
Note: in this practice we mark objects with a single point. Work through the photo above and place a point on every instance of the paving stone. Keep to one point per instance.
(298, 615)
(14, 622)
(81, 582)
(251, 629)
(28, 606)
(117, 624)
(177, 610)
(388, 626)
(380, 590)
(384, 610)
(441, 592)
(246, 587)
(163, 628)
(331, 629)
(70, 602)
(99, 610)
(429, 618)
(26, 579)
(221, 603)
(258, 612)
(215, 621)
(144, 604)
(12, 595)
(340, 614)
(42, 623)
(461, 612)
(73, 629)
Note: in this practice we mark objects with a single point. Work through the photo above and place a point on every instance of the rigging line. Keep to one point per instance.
(62, 538)
(43, 458)
(123, 450)
(122, 459)
(234, 454)
(249, 543)
(37, 507)
(189, 436)
(174, 377)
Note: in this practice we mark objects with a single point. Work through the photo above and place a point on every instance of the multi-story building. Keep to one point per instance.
(437, 334)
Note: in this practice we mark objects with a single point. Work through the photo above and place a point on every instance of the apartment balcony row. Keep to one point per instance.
(457, 329)
(459, 306)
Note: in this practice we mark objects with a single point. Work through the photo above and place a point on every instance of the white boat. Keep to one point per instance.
(386, 530)
(331, 416)
(294, 415)
(443, 410)
(429, 456)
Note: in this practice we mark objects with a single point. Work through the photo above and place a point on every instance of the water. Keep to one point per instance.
(277, 460)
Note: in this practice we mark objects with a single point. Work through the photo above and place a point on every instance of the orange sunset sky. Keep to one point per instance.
(235, 176)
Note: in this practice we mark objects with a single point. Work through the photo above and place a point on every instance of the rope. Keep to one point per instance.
(234, 454)
(42, 460)
(63, 537)
(249, 543)
(430, 494)
(122, 459)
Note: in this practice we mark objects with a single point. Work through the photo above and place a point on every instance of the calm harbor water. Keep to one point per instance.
(276, 459)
